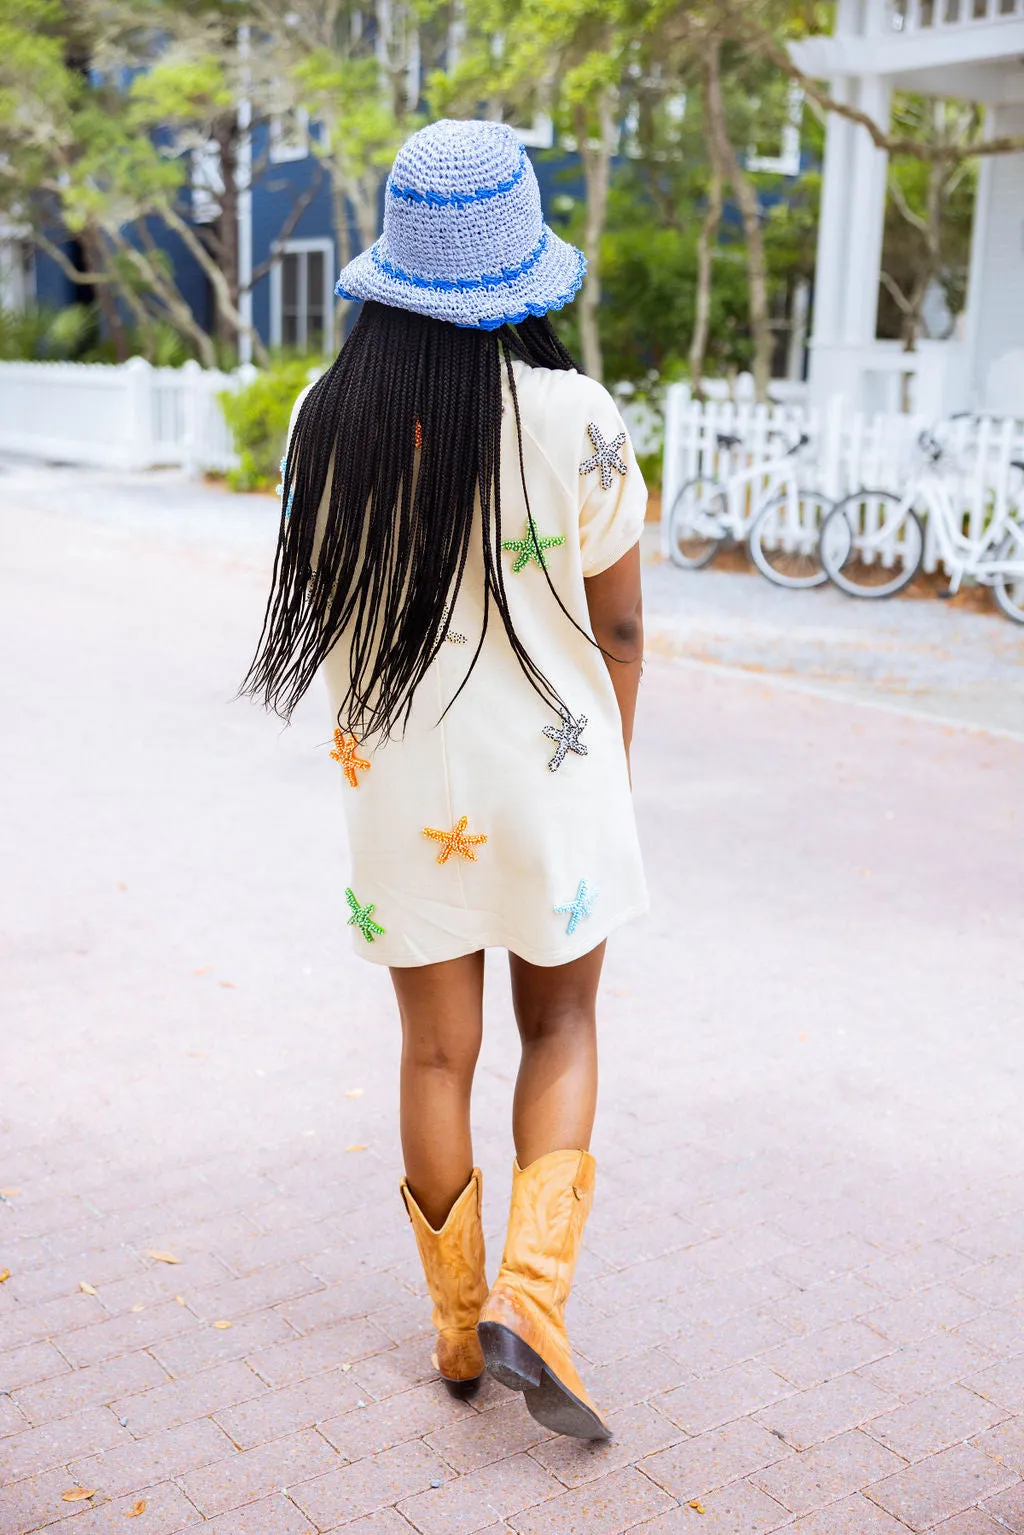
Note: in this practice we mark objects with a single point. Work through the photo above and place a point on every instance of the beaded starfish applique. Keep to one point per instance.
(452, 635)
(530, 547)
(279, 490)
(455, 841)
(580, 907)
(606, 458)
(362, 918)
(567, 734)
(344, 751)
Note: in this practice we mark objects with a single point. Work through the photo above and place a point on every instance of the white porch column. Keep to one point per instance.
(994, 329)
(852, 219)
(865, 205)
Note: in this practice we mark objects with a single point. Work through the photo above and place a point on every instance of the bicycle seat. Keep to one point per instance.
(727, 440)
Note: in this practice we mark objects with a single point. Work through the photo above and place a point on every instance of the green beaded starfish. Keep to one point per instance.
(362, 918)
(530, 547)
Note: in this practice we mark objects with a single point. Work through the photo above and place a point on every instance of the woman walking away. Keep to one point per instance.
(459, 553)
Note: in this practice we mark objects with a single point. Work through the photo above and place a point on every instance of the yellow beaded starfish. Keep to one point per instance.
(345, 753)
(455, 841)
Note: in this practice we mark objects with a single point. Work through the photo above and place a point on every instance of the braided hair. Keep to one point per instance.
(406, 427)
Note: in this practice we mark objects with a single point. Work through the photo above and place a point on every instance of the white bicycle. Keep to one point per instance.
(764, 505)
(872, 543)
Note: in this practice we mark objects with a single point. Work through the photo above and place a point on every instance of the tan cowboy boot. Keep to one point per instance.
(453, 1265)
(522, 1325)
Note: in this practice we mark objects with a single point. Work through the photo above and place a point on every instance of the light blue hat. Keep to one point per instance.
(464, 235)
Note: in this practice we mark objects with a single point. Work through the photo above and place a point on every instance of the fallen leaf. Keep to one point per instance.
(355, 1148)
(11, 1193)
(86, 1288)
(204, 971)
(697, 1504)
(77, 1494)
(161, 1256)
(4, 1274)
(222, 1325)
(180, 1299)
(136, 1509)
(227, 985)
(139, 1306)
(354, 1092)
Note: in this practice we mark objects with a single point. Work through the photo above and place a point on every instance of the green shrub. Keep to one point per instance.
(257, 415)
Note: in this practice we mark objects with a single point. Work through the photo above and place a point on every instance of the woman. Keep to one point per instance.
(459, 553)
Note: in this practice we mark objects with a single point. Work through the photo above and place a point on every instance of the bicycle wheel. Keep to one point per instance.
(784, 539)
(695, 530)
(1008, 589)
(871, 544)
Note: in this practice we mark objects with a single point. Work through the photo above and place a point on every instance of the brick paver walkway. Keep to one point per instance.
(802, 1296)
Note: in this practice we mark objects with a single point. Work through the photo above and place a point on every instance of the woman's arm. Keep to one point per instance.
(615, 603)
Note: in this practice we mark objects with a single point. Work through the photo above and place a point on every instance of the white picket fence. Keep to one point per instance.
(846, 451)
(131, 416)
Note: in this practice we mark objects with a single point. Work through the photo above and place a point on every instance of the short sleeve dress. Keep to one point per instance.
(501, 825)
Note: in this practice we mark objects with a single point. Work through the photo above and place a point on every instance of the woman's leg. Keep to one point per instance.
(441, 1008)
(556, 1089)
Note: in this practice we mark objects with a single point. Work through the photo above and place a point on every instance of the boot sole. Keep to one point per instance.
(519, 1367)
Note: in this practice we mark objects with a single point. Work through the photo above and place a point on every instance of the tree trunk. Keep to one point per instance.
(339, 205)
(92, 249)
(750, 213)
(226, 255)
(178, 312)
(705, 253)
(227, 303)
(597, 159)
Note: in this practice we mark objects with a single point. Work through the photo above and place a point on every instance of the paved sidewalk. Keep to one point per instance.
(802, 1298)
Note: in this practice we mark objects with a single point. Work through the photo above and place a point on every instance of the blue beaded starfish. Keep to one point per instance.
(606, 458)
(362, 918)
(579, 907)
(530, 547)
(279, 491)
(568, 737)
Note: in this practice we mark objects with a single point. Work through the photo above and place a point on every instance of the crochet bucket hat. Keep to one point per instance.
(464, 236)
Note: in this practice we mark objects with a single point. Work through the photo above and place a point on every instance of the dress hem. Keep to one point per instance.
(546, 962)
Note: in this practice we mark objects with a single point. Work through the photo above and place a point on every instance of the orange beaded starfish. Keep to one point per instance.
(345, 753)
(455, 841)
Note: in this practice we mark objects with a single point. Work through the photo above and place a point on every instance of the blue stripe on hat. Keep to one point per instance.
(460, 199)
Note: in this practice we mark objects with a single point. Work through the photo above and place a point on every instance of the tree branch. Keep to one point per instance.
(285, 231)
(762, 42)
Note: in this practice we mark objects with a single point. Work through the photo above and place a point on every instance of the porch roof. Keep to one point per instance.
(982, 61)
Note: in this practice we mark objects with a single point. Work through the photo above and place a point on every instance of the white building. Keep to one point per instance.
(971, 49)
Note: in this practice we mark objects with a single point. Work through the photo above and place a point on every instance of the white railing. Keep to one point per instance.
(129, 417)
(930, 15)
(846, 451)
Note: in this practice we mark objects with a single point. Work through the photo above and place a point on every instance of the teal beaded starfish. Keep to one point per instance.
(579, 907)
(530, 547)
(362, 918)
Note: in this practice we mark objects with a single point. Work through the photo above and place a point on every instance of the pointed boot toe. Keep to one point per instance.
(522, 1325)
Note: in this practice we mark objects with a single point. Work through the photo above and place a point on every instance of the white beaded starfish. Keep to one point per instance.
(606, 458)
(568, 737)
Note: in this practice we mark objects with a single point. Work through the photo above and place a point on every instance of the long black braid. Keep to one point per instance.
(396, 536)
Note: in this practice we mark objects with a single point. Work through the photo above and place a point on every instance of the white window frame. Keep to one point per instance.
(285, 147)
(299, 248)
(787, 163)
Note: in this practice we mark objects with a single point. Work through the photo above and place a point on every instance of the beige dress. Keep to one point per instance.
(501, 826)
